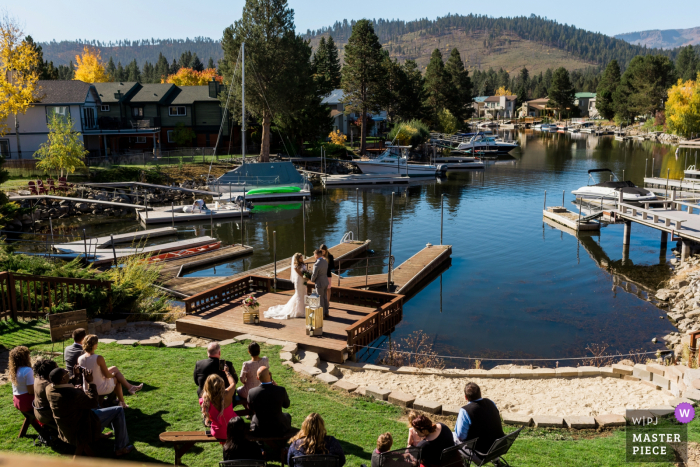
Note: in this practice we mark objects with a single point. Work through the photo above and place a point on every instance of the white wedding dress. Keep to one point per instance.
(294, 308)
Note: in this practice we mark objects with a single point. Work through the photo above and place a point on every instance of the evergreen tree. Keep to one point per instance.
(120, 74)
(326, 65)
(185, 60)
(604, 103)
(174, 67)
(148, 74)
(132, 72)
(460, 101)
(66, 72)
(437, 87)
(196, 64)
(562, 93)
(522, 85)
(687, 63)
(548, 79)
(210, 64)
(162, 69)
(648, 79)
(111, 69)
(363, 74)
(45, 69)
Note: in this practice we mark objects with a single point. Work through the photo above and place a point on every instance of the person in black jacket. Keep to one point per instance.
(237, 447)
(211, 366)
(331, 265)
(478, 419)
(267, 402)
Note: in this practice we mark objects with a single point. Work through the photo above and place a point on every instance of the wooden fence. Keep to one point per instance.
(227, 292)
(28, 296)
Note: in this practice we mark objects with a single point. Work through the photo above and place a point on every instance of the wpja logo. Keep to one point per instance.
(659, 434)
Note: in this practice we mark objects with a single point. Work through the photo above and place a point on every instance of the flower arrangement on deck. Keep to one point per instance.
(250, 303)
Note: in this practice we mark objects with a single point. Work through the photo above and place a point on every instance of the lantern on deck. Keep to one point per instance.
(314, 315)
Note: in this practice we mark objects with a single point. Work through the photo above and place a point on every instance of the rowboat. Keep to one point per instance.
(183, 253)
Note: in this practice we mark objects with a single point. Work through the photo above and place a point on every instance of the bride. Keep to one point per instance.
(295, 306)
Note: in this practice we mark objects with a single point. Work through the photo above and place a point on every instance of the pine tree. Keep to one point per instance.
(185, 60)
(333, 68)
(363, 75)
(562, 93)
(604, 103)
(162, 69)
(148, 73)
(132, 72)
(45, 69)
(174, 67)
(460, 101)
(210, 64)
(121, 74)
(437, 86)
(326, 66)
(111, 69)
(196, 64)
(687, 63)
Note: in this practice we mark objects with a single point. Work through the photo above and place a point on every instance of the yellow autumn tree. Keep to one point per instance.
(90, 68)
(337, 137)
(192, 77)
(19, 63)
(502, 91)
(683, 107)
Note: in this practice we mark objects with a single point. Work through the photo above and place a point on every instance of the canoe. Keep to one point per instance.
(273, 190)
(183, 253)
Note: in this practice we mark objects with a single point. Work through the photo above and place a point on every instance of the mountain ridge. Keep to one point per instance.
(663, 38)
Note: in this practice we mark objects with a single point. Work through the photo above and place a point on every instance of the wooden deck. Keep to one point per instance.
(187, 286)
(174, 268)
(416, 268)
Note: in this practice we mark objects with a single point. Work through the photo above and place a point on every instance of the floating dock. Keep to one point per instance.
(165, 215)
(150, 186)
(572, 220)
(658, 184)
(364, 179)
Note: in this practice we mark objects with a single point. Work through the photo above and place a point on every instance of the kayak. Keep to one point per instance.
(273, 190)
(183, 253)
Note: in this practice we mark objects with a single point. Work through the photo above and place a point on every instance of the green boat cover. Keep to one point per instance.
(274, 189)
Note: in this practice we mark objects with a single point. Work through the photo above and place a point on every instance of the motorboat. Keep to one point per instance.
(488, 125)
(610, 190)
(488, 144)
(263, 182)
(394, 161)
(219, 210)
(459, 161)
(171, 255)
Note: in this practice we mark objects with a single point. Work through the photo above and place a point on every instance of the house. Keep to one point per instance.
(74, 99)
(586, 104)
(535, 108)
(478, 105)
(496, 107)
(334, 101)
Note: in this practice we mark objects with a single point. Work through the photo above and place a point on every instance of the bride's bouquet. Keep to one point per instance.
(250, 303)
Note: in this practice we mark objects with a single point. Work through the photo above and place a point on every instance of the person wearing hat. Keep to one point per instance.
(77, 415)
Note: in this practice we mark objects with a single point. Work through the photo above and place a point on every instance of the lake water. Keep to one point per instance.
(516, 287)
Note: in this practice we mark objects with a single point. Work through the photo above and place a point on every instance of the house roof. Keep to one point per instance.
(498, 98)
(584, 95)
(108, 90)
(480, 98)
(62, 92)
(182, 95)
(152, 93)
(335, 113)
(335, 97)
(541, 100)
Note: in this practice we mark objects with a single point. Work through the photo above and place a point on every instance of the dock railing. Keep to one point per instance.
(654, 215)
(29, 296)
(374, 325)
(227, 292)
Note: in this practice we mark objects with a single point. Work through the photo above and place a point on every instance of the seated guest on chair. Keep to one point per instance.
(478, 419)
(312, 439)
(237, 446)
(437, 438)
(413, 437)
(75, 350)
(249, 371)
(267, 402)
(75, 410)
(42, 410)
(384, 443)
(211, 366)
(105, 379)
(217, 404)
(22, 378)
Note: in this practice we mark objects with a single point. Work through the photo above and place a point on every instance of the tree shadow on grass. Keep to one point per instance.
(28, 333)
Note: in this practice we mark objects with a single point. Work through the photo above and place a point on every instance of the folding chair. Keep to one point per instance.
(242, 463)
(408, 457)
(460, 454)
(498, 449)
(315, 460)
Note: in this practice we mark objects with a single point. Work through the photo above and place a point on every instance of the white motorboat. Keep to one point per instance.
(488, 125)
(458, 162)
(488, 144)
(394, 161)
(610, 190)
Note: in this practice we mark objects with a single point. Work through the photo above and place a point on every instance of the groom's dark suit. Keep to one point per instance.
(320, 278)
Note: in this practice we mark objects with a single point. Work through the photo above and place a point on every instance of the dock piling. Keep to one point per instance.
(85, 245)
(274, 255)
(627, 232)
(391, 239)
(172, 212)
(442, 199)
(684, 251)
(652, 166)
(545, 200)
(357, 206)
(114, 251)
(646, 161)
(563, 195)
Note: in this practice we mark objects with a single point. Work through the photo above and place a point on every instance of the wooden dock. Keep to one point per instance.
(416, 268)
(572, 220)
(364, 179)
(187, 286)
(105, 241)
(357, 317)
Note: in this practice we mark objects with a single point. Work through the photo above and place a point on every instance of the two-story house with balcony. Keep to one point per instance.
(75, 99)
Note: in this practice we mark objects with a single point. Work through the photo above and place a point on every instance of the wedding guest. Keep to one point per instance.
(384, 443)
(104, 379)
(75, 350)
(312, 439)
(217, 403)
(266, 402)
(237, 446)
(249, 371)
(79, 420)
(211, 366)
(329, 259)
(22, 378)
(437, 438)
(478, 419)
(42, 409)
(413, 437)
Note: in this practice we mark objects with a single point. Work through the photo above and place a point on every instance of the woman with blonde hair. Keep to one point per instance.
(22, 378)
(294, 308)
(104, 378)
(217, 403)
(330, 260)
(312, 439)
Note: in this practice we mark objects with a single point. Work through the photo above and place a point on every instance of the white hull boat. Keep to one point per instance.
(488, 144)
(460, 162)
(391, 162)
(610, 190)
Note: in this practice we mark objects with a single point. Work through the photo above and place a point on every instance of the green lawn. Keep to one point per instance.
(168, 402)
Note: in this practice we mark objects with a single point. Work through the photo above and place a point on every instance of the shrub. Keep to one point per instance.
(410, 133)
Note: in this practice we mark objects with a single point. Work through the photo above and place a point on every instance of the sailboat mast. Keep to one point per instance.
(243, 101)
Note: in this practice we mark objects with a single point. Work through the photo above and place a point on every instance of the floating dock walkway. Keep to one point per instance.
(165, 215)
(572, 220)
(364, 179)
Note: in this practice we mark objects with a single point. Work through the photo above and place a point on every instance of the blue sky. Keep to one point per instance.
(130, 19)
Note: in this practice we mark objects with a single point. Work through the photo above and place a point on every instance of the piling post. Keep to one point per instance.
(172, 213)
(211, 221)
(544, 208)
(391, 239)
(628, 231)
(652, 167)
(114, 251)
(442, 200)
(51, 227)
(563, 195)
(664, 239)
(646, 161)
(668, 172)
(274, 255)
(85, 246)
(303, 223)
(357, 206)
(684, 251)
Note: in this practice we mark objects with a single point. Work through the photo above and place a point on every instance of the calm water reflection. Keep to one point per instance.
(516, 287)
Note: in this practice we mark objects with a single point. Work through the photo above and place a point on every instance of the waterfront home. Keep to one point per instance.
(585, 101)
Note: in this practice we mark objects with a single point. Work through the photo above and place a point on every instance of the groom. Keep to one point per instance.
(320, 278)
